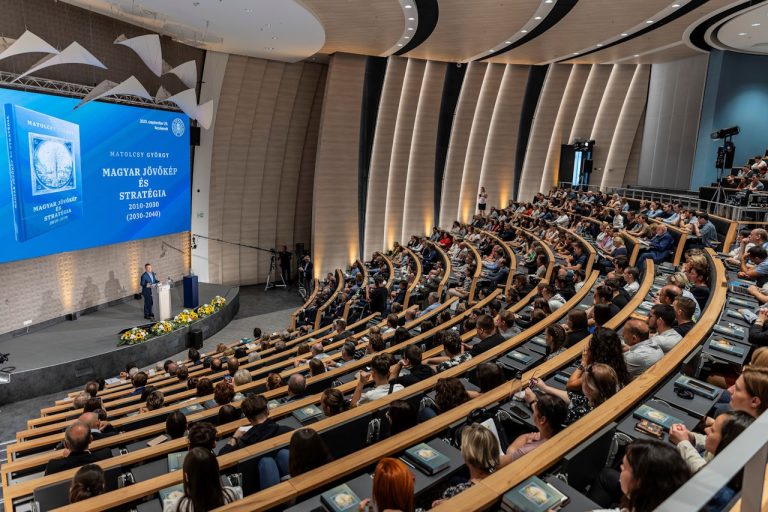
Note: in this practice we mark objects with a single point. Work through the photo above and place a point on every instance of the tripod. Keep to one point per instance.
(272, 269)
(720, 164)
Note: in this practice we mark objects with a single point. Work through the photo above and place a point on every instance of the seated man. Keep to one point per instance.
(660, 320)
(434, 303)
(640, 353)
(453, 350)
(379, 376)
(297, 387)
(488, 334)
(411, 361)
(759, 271)
(262, 427)
(659, 248)
(77, 438)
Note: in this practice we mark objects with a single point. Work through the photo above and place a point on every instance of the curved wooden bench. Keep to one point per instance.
(510, 258)
(446, 268)
(478, 272)
(416, 261)
(490, 489)
(327, 303)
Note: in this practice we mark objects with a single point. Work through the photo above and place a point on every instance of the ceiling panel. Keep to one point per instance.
(467, 28)
(589, 23)
(367, 27)
(667, 36)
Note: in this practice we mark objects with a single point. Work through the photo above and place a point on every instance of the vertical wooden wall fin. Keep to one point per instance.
(478, 136)
(457, 148)
(381, 155)
(590, 101)
(334, 206)
(401, 150)
(418, 215)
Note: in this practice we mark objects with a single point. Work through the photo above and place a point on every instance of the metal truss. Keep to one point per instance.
(31, 83)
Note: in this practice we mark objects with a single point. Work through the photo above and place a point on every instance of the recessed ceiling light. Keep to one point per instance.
(637, 55)
(742, 33)
(274, 38)
(406, 37)
(409, 6)
(649, 22)
(523, 31)
(537, 18)
(547, 1)
(575, 53)
(410, 28)
(755, 24)
(507, 42)
(249, 11)
(411, 19)
(399, 44)
(599, 45)
(624, 35)
(675, 6)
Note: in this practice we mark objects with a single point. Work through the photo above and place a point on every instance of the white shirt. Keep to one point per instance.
(378, 392)
(667, 339)
(642, 356)
(632, 287)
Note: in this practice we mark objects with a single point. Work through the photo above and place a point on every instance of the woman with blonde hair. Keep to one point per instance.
(480, 451)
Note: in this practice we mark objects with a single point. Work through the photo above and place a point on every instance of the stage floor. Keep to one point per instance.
(90, 335)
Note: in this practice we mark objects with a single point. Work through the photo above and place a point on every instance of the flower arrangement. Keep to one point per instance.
(186, 317)
(133, 336)
(161, 328)
(218, 302)
(205, 310)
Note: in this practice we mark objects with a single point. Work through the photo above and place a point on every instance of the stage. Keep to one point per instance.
(68, 354)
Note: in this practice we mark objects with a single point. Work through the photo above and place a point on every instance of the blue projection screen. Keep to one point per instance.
(101, 174)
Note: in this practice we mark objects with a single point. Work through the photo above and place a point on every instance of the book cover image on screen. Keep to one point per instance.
(45, 173)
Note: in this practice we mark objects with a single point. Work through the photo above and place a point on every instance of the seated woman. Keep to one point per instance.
(488, 376)
(332, 402)
(526, 321)
(725, 429)
(202, 485)
(392, 487)
(639, 485)
(576, 327)
(87, 483)
(604, 347)
(480, 451)
(549, 414)
(401, 416)
(555, 338)
(449, 393)
(598, 385)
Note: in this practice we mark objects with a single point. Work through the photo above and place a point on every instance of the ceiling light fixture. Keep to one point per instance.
(537, 17)
(637, 55)
(755, 24)
(408, 6)
(624, 35)
(410, 28)
(411, 19)
(599, 45)
(742, 33)
(675, 6)
(507, 42)
(575, 53)
(523, 31)
(649, 22)
(399, 44)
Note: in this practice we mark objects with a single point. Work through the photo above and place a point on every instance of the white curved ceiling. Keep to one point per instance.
(272, 29)
(747, 31)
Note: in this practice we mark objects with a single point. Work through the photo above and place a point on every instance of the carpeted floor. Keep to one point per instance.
(270, 310)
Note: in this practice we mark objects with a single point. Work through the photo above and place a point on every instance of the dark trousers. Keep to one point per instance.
(286, 272)
(147, 303)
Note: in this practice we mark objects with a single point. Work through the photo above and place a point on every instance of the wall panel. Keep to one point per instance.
(541, 131)
(675, 95)
(381, 154)
(626, 128)
(334, 207)
(608, 116)
(497, 173)
(457, 149)
(418, 214)
(478, 135)
(561, 132)
(401, 150)
(263, 136)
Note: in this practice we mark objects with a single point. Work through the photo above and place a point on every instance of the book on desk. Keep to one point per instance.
(533, 495)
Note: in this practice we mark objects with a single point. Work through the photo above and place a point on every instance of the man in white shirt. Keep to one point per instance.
(640, 353)
(660, 320)
(379, 375)
(631, 274)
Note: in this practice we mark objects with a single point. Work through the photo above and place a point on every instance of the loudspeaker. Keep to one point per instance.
(194, 135)
(73, 316)
(195, 339)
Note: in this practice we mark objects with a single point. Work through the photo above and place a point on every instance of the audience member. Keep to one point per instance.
(87, 483)
(202, 485)
(77, 438)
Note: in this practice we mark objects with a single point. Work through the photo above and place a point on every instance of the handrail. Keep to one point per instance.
(391, 267)
(306, 304)
(446, 268)
(416, 278)
(327, 303)
(478, 273)
(490, 489)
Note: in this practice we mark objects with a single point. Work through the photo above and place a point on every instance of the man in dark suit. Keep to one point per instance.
(77, 437)
(256, 411)
(285, 264)
(148, 278)
(660, 247)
